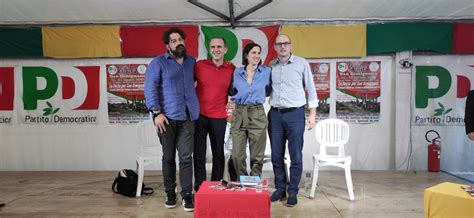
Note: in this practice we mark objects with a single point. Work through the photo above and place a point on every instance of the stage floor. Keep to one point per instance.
(88, 193)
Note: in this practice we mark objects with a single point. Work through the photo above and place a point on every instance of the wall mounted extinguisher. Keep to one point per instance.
(434, 152)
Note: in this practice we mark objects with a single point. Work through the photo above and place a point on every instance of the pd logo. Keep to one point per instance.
(437, 94)
(237, 39)
(7, 88)
(80, 90)
(426, 89)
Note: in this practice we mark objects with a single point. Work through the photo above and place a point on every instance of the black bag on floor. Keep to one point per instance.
(126, 183)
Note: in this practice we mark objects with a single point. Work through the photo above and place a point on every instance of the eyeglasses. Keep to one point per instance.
(282, 44)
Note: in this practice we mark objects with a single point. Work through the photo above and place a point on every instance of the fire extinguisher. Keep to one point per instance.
(434, 152)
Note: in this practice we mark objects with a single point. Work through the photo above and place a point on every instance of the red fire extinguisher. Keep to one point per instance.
(434, 152)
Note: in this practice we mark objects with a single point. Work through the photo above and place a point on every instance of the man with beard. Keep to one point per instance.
(171, 98)
(213, 77)
(291, 78)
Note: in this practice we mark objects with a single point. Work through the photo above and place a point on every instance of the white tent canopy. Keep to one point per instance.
(379, 146)
(18, 12)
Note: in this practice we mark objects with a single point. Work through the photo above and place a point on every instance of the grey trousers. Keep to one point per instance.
(179, 136)
(249, 123)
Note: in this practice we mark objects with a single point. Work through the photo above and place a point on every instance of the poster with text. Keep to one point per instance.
(321, 78)
(125, 97)
(358, 91)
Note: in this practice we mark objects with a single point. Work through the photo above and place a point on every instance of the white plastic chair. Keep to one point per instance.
(149, 150)
(332, 133)
(227, 152)
(267, 158)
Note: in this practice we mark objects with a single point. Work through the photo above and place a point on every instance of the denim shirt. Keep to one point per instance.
(251, 94)
(169, 87)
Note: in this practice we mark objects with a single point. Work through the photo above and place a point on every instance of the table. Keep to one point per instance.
(211, 202)
(448, 200)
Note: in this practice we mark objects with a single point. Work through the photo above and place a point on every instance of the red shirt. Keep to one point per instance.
(212, 85)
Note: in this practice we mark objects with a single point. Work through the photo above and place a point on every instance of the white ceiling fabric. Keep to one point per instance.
(14, 12)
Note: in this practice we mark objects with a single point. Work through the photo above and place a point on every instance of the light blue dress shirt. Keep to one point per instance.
(290, 81)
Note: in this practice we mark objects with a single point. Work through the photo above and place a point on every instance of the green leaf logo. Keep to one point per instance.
(441, 110)
(50, 109)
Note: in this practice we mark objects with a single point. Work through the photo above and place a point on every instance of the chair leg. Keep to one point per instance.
(315, 177)
(226, 167)
(140, 172)
(287, 169)
(350, 188)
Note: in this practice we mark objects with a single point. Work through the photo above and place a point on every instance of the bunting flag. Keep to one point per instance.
(20, 42)
(323, 41)
(463, 35)
(81, 41)
(237, 39)
(395, 37)
(327, 41)
(146, 41)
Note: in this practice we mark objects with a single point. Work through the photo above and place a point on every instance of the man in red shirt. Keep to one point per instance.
(213, 78)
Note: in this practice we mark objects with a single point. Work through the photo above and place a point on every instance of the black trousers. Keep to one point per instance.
(179, 136)
(215, 127)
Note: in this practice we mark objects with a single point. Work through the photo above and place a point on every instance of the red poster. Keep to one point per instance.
(126, 100)
(358, 90)
(321, 78)
(126, 80)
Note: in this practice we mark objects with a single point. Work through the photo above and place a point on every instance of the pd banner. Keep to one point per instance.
(237, 39)
(358, 91)
(439, 89)
(7, 94)
(57, 93)
(126, 100)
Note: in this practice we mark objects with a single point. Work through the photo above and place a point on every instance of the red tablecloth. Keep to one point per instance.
(210, 202)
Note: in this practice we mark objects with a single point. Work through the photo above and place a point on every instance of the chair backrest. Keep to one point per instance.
(146, 135)
(332, 133)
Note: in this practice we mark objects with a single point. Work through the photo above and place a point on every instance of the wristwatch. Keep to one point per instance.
(156, 113)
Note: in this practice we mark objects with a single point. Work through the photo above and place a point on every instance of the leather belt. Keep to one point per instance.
(285, 110)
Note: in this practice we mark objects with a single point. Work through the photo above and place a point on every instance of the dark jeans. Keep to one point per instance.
(179, 136)
(282, 127)
(215, 127)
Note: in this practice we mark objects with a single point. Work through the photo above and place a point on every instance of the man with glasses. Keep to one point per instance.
(291, 77)
(171, 98)
(213, 79)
